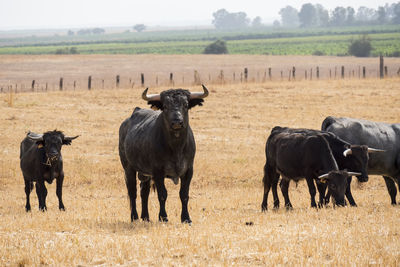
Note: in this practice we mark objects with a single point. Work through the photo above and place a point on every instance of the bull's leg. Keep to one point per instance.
(267, 186)
(184, 195)
(41, 192)
(59, 183)
(311, 188)
(285, 192)
(348, 194)
(144, 195)
(28, 190)
(162, 198)
(391, 187)
(130, 180)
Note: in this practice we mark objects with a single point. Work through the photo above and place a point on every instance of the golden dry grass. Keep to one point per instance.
(230, 130)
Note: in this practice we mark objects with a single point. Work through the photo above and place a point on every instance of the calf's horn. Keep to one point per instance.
(204, 94)
(347, 152)
(35, 136)
(153, 97)
(323, 176)
(70, 138)
(374, 150)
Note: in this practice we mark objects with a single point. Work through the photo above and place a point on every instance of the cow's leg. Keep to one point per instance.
(59, 183)
(162, 197)
(267, 186)
(41, 192)
(391, 187)
(348, 194)
(144, 195)
(321, 190)
(285, 192)
(130, 180)
(311, 188)
(184, 195)
(28, 190)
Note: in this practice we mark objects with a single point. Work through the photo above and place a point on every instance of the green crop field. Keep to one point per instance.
(323, 41)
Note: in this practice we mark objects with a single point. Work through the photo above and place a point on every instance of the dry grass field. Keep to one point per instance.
(226, 191)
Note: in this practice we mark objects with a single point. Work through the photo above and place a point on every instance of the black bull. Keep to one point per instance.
(40, 161)
(156, 145)
(383, 136)
(295, 154)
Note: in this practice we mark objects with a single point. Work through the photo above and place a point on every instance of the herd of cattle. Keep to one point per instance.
(159, 144)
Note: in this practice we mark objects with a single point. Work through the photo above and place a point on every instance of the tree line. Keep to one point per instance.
(311, 15)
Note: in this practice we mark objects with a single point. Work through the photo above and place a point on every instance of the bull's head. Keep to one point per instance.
(337, 184)
(175, 104)
(359, 155)
(52, 142)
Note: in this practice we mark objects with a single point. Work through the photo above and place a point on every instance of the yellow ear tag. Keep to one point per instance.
(323, 181)
(40, 146)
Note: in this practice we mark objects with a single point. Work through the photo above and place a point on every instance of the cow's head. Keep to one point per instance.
(175, 104)
(358, 154)
(52, 142)
(337, 184)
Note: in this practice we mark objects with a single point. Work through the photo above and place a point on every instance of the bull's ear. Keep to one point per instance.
(195, 102)
(155, 104)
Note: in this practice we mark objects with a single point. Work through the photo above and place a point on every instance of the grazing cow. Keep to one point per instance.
(383, 136)
(40, 161)
(298, 155)
(348, 157)
(159, 144)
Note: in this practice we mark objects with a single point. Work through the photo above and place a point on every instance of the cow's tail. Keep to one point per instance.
(327, 122)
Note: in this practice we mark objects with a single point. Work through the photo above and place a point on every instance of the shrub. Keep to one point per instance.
(217, 47)
(361, 47)
(318, 53)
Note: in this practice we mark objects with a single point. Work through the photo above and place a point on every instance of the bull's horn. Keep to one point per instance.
(70, 138)
(35, 136)
(354, 173)
(154, 97)
(347, 152)
(374, 150)
(199, 94)
(323, 176)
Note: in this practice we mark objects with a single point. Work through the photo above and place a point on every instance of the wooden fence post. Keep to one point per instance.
(381, 66)
(117, 81)
(294, 73)
(310, 74)
(142, 79)
(386, 71)
(102, 83)
(246, 73)
(342, 73)
(305, 74)
(33, 85)
(270, 73)
(171, 79)
(61, 84)
(363, 71)
(317, 73)
(90, 83)
(74, 85)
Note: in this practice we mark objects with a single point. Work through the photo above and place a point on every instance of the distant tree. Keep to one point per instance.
(217, 47)
(70, 33)
(98, 31)
(256, 23)
(322, 15)
(361, 47)
(396, 13)
(308, 15)
(276, 24)
(365, 14)
(338, 17)
(223, 20)
(289, 16)
(350, 15)
(382, 16)
(139, 27)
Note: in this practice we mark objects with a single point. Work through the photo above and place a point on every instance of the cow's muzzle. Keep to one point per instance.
(53, 156)
(177, 125)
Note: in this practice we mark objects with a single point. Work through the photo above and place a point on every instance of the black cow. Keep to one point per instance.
(348, 157)
(298, 155)
(383, 136)
(158, 144)
(40, 161)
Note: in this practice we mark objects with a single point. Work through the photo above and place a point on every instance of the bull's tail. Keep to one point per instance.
(327, 122)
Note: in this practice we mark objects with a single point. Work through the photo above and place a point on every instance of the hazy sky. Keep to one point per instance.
(32, 14)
